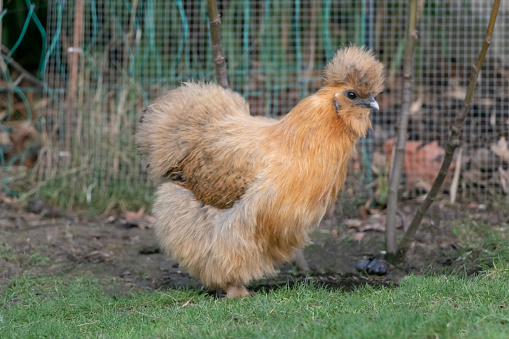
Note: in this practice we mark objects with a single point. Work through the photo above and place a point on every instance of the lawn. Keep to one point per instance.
(89, 279)
(420, 307)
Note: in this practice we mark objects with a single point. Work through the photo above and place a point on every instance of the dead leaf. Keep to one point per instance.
(501, 149)
(479, 178)
(16, 107)
(372, 227)
(4, 138)
(379, 162)
(111, 219)
(447, 243)
(353, 223)
(482, 159)
(21, 133)
(334, 233)
(457, 93)
(366, 212)
(138, 219)
(504, 179)
(422, 162)
(416, 107)
(129, 216)
(8, 200)
(358, 236)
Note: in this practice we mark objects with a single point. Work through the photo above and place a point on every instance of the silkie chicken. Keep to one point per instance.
(239, 194)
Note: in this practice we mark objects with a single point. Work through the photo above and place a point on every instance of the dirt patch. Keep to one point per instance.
(127, 254)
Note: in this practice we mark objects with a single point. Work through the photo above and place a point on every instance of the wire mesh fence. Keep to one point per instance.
(103, 61)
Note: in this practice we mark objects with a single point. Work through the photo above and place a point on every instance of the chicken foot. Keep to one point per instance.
(237, 292)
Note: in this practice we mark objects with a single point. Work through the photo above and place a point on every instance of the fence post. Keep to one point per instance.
(74, 52)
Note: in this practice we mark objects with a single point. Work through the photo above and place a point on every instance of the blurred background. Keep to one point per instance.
(76, 74)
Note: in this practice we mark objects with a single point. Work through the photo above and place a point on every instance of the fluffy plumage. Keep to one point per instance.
(356, 66)
(238, 194)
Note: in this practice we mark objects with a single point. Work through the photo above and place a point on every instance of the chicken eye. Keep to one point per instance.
(351, 95)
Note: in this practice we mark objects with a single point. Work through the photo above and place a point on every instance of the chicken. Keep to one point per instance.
(239, 194)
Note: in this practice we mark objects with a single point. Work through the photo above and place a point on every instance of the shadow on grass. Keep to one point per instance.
(319, 280)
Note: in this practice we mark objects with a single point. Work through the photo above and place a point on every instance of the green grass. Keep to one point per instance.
(426, 306)
(421, 307)
(116, 195)
(482, 244)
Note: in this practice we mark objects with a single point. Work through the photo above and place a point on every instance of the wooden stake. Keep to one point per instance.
(456, 177)
(75, 52)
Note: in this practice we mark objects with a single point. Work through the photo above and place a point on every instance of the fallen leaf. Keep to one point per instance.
(353, 223)
(379, 162)
(457, 93)
(447, 243)
(416, 107)
(4, 198)
(4, 138)
(478, 177)
(422, 162)
(111, 219)
(372, 227)
(501, 149)
(504, 179)
(129, 215)
(21, 134)
(334, 233)
(358, 236)
(138, 219)
(366, 212)
(483, 159)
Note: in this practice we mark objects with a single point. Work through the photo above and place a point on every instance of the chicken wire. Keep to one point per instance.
(130, 52)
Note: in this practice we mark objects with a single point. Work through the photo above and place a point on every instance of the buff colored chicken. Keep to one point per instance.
(239, 194)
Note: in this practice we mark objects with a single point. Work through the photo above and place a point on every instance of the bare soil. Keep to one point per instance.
(117, 251)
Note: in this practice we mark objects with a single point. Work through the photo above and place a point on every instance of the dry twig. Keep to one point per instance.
(217, 50)
(187, 303)
(453, 142)
(24, 73)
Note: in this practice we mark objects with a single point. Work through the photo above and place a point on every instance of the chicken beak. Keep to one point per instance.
(369, 102)
(374, 104)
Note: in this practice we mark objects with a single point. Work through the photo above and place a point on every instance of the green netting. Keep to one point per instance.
(132, 51)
